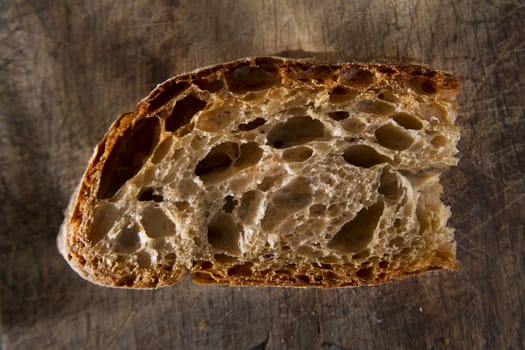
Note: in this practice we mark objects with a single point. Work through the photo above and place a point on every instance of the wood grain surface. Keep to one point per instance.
(68, 68)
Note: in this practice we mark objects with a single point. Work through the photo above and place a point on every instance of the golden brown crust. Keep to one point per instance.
(77, 248)
(314, 280)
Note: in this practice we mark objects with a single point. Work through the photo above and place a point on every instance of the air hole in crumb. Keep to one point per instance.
(408, 121)
(307, 251)
(356, 77)
(129, 154)
(354, 125)
(291, 198)
(303, 279)
(329, 259)
(375, 107)
(185, 129)
(215, 120)
(422, 85)
(340, 94)
(157, 244)
(128, 280)
(177, 154)
(325, 266)
(295, 131)
(250, 154)
(406, 251)
(244, 77)
(149, 195)
(162, 150)
(445, 255)
(127, 241)
(206, 265)
(267, 183)
(339, 91)
(183, 111)
(362, 254)
(197, 143)
(165, 93)
(224, 234)
(386, 70)
(103, 220)
(393, 137)
(433, 112)
(398, 223)
(170, 258)
(330, 276)
(338, 115)
(358, 233)
(365, 273)
(383, 264)
(143, 259)
(226, 159)
(218, 159)
(397, 241)
(387, 95)
(439, 141)
(307, 72)
(389, 185)
(224, 258)
(317, 209)
(297, 154)
(229, 204)
(241, 270)
(182, 205)
(156, 223)
(203, 278)
(296, 195)
(255, 96)
(334, 209)
(363, 156)
(254, 124)
(248, 208)
(428, 87)
(211, 83)
(425, 220)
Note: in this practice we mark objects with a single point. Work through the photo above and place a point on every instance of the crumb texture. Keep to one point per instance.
(272, 172)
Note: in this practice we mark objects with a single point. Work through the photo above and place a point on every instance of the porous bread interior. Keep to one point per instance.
(296, 183)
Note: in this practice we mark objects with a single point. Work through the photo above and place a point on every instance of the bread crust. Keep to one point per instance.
(78, 250)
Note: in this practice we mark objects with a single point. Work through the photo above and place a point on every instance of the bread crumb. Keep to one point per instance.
(342, 148)
(203, 325)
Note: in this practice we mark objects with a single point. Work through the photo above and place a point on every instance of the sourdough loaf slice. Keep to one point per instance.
(268, 171)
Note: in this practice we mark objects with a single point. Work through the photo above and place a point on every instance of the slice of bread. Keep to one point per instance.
(268, 171)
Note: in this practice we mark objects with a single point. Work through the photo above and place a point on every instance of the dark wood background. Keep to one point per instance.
(68, 68)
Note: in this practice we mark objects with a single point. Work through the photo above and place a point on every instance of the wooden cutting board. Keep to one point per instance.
(68, 68)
